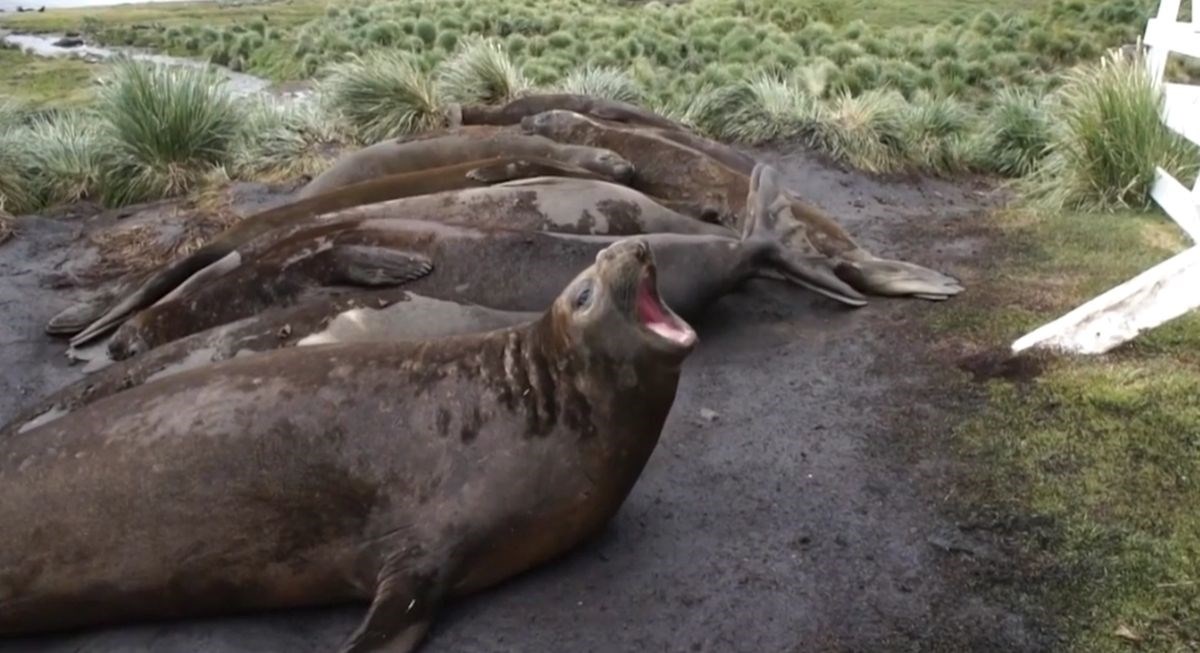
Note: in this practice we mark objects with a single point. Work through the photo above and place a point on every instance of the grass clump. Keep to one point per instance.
(284, 140)
(481, 72)
(1107, 140)
(762, 109)
(1018, 132)
(383, 94)
(15, 165)
(163, 129)
(604, 82)
(936, 133)
(67, 154)
(865, 131)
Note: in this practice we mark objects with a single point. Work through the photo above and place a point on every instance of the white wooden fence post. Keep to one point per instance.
(1171, 288)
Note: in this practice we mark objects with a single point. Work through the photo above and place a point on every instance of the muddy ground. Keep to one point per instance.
(796, 502)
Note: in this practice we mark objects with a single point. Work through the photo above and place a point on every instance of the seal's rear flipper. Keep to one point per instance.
(78, 316)
(891, 278)
(816, 273)
(365, 265)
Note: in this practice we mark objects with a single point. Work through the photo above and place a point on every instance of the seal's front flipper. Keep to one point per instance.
(891, 278)
(366, 265)
(406, 597)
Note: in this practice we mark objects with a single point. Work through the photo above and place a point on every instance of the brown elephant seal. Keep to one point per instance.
(668, 169)
(94, 318)
(504, 269)
(396, 156)
(390, 315)
(605, 109)
(556, 204)
(406, 474)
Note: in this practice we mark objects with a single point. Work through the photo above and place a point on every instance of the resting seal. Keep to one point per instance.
(614, 110)
(406, 474)
(380, 315)
(557, 204)
(701, 184)
(103, 316)
(499, 268)
(395, 156)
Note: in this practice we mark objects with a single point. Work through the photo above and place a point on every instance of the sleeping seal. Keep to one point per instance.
(701, 185)
(605, 109)
(454, 147)
(391, 315)
(97, 316)
(500, 268)
(405, 474)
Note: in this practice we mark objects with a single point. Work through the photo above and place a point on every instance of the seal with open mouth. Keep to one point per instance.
(405, 474)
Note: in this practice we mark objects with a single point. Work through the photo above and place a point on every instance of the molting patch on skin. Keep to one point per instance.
(45, 418)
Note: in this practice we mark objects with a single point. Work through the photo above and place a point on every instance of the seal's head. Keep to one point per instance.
(553, 122)
(613, 309)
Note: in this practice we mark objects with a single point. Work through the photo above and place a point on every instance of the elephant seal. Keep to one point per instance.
(700, 184)
(390, 315)
(395, 156)
(556, 204)
(406, 474)
(521, 270)
(103, 317)
(605, 109)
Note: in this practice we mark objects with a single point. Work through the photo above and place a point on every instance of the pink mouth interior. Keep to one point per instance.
(654, 315)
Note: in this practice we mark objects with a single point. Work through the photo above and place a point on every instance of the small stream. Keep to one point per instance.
(238, 84)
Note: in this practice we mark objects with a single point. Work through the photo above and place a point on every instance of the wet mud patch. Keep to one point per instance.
(799, 499)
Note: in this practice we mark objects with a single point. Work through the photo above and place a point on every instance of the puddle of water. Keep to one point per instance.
(42, 45)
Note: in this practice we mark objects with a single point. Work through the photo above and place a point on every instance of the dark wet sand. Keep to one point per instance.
(802, 518)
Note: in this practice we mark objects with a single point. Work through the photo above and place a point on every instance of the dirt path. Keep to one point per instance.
(802, 517)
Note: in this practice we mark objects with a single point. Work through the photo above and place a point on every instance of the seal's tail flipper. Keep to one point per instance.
(365, 265)
(891, 278)
(816, 273)
(78, 316)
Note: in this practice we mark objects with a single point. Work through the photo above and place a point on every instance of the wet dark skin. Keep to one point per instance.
(524, 270)
(468, 174)
(706, 180)
(402, 474)
(397, 155)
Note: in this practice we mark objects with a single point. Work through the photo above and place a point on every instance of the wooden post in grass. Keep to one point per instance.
(1171, 288)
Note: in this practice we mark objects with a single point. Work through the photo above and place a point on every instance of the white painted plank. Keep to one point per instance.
(1169, 9)
(1178, 202)
(1181, 109)
(1176, 37)
(1150, 299)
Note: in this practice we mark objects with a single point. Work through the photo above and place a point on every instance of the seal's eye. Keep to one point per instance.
(583, 297)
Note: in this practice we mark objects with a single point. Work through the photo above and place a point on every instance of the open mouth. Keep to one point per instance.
(654, 315)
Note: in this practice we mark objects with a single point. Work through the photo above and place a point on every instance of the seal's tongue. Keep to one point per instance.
(657, 317)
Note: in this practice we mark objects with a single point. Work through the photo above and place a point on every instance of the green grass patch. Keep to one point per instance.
(1098, 456)
(37, 82)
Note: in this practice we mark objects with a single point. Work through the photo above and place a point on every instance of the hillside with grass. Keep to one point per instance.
(1093, 464)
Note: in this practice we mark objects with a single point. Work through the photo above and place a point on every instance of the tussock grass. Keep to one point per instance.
(1107, 140)
(16, 195)
(68, 156)
(279, 141)
(383, 94)
(163, 128)
(1018, 132)
(936, 134)
(765, 108)
(603, 81)
(865, 131)
(481, 72)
